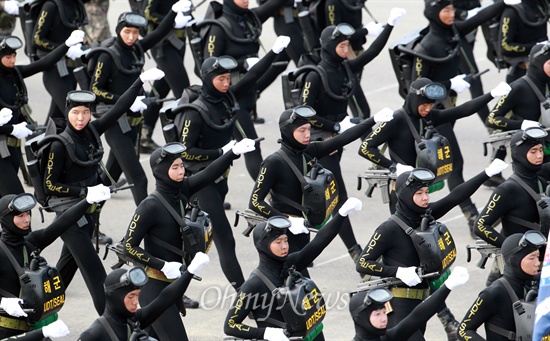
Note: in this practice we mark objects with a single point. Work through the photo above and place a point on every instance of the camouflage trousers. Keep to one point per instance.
(98, 27)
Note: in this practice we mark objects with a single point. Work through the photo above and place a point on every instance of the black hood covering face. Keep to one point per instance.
(413, 100)
(512, 266)
(115, 298)
(405, 203)
(287, 132)
(520, 164)
(363, 327)
(537, 58)
(160, 171)
(11, 234)
(230, 7)
(432, 8)
(328, 45)
(208, 90)
(263, 240)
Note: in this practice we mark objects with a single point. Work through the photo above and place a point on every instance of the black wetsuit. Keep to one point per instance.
(241, 26)
(21, 248)
(57, 19)
(277, 177)
(204, 144)
(146, 315)
(108, 84)
(152, 220)
(13, 95)
(396, 249)
(65, 179)
(519, 33)
(254, 296)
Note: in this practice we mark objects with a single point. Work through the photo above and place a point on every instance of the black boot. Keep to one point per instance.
(146, 143)
(103, 238)
(449, 323)
(471, 214)
(190, 303)
(494, 181)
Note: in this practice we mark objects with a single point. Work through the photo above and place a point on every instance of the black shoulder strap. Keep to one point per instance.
(533, 87)
(178, 219)
(300, 177)
(418, 241)
(108, 328)
(516, 303)
(272, 288)
(536, 196)
(13, 261)
(415, 133)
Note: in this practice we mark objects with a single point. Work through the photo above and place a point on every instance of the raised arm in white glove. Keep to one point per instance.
(151, 75)
(138, 104)
(458, 277)
(55, 329)
(352, 204)
(395, 15)
(512, 2)
(5, 116)
(228, 146)
(201, 259)
(384, 115)
(458, 84)
(20, 130)
(12, 306)
(250, 62)
(501, 89)
(401, 168)
(346, 124)
(275, 334)
(74, 51)
(280, 44)
(243, 146)
(181, 20)
(297, 225)
(76, 37)
(98, 193)
(374, 28)
(11, 7)
(182, 6)
(408, 276)
(495, 167)
(171, 270)
(529, 124)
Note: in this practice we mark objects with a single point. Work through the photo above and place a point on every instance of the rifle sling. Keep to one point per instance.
(272, 288)
(108, 328)
(178, 219)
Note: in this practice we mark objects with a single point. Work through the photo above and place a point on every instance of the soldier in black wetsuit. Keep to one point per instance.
(153, 224)
(57, 19)
(121, 312)
(21, 241)
(276, 176)
(66, 178)
(369, 310)
(109, 81)
(494, 307)
(275, 261)
(208, 136)
(521, 27)
(245, 24)
(14, 96)
(420, 109)
(397, 251)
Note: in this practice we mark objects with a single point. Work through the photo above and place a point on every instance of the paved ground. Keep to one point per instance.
(334, 271)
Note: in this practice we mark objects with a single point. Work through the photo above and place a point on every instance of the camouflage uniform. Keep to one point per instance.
(98, 27)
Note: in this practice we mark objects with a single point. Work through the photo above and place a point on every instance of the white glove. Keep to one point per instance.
(151, 75)
(250, 62)
(280, 44)
(395, 15)
(12, 306)
(473, 12)
(5, 116)
(200, 260)
(458, 277)
(298, 225)
(458, 84)
(512, 2)
(529, 124)
(182, 6)
(346, 124)
(401, 168)
(243, 146)
(11, 7)
(76, 37)
(75, 51)
(55, 329)
(20, 130)
(138, 104)
(352, 204)
(171, 270)
(501, 89)
(181, 20)
(275, 334)
(384, 115)
(374, 28)
(98, 193)
(408, 276)
(495, 167)
(228, 146)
